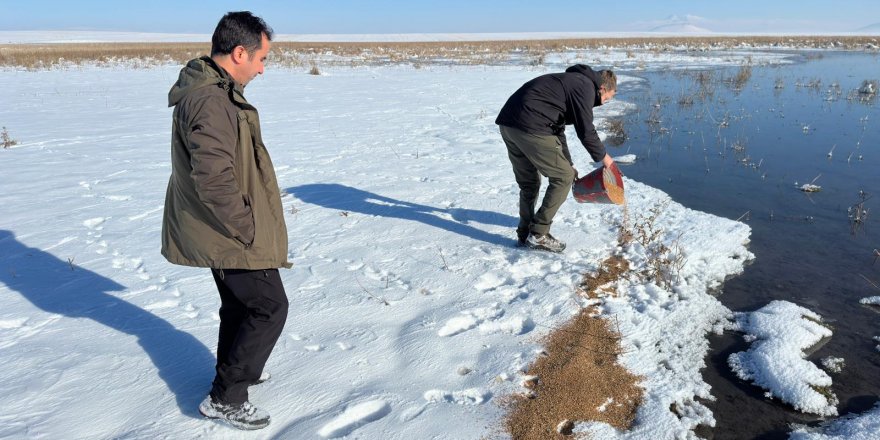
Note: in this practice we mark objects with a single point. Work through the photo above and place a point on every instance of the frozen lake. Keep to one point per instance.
(739, 152)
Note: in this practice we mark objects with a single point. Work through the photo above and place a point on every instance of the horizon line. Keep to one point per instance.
(58, 36)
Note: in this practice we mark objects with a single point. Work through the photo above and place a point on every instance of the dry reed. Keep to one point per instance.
(299, 54)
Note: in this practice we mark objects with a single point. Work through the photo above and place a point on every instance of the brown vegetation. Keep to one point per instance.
(6, 139)
(40, 56)
(577, 378)
(616, 130)
(300, 54)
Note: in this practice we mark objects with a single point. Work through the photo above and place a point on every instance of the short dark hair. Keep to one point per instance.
(239, 29)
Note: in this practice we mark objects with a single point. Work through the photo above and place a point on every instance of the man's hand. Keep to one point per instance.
(607, 160)
(575, 173)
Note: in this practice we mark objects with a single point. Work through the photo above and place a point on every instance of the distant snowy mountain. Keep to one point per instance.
(680, 24)
(870, 29)
(681, 28)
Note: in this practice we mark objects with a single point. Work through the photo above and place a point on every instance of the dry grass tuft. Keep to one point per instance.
(664, 257)
(314, 70)
(742, 77)
(6, 139)
(616, 131)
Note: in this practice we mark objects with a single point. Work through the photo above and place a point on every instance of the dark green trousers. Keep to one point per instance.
(533, 156)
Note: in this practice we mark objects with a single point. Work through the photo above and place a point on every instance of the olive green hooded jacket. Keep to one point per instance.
(222, 207)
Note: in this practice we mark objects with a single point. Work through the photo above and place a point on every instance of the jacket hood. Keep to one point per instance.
(585, 70)
(589, 73)
(198, 73)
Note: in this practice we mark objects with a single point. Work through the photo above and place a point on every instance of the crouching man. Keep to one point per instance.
(532, 124)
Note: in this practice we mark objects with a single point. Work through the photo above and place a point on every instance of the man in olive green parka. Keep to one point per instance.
(223, 210)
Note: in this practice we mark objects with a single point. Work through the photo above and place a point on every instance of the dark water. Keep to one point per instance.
(738, 153)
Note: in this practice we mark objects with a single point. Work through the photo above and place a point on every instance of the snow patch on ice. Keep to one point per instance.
(833, 364)
(871, 300)
(626, 159)
(865, 426)
(622, 159)
(775, 361)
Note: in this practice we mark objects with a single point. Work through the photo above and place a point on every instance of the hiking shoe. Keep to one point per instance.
(545, 242)
(242, 416)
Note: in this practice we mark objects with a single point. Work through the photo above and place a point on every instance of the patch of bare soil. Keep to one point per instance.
(577, 378)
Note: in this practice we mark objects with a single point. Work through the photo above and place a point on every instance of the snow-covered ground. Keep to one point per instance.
(411, 311)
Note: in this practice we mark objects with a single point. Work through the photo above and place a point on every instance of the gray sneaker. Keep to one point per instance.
(243, 416)
(545, 242)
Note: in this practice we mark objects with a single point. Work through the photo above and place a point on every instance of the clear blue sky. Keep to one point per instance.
(444, 16)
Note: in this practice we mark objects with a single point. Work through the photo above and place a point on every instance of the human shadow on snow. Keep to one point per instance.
(56, 286)
(346, 198)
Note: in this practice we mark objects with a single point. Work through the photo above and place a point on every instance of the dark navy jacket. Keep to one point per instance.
(546, 104)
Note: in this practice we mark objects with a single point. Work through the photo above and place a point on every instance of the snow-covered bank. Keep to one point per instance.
(665, 332)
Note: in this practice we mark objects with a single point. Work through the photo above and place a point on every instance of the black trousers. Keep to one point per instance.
(252, 314)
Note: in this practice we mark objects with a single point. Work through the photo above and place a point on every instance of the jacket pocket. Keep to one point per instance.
(249, 241)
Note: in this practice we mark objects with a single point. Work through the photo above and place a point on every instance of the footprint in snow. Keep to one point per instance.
(516, 325)
(471, 396)
(490, 280)
(117, 198)
(95, 223)
(355, 417)
(355, 266)
(8, 324)
(190, 311)
(135, 265)
(164, 304)
(146, 214)
(470, 319)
